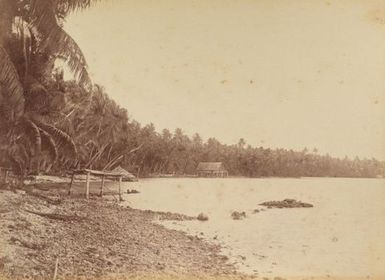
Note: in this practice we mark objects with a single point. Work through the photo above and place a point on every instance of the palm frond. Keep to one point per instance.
(33, 132)
(18, 158)
(36, 97)
(11, 90)
(60, 44)
(66, 47)
(26, 142)
(49, 144)
(61, 139)
(42, 13)
(68, 6)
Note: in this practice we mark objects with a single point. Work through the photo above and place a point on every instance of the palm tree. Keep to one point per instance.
(36, 26)
(31, 39)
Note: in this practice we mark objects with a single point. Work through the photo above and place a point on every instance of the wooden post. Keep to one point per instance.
(101, 186)
(120, 184)
(6, 176)
(88, 186)
(72, 181)
(56, 267)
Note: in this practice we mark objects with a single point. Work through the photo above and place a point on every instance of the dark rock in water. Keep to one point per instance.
(202, 217)
(286, 203)
(132, 191)
(256, 211)
(238, 215)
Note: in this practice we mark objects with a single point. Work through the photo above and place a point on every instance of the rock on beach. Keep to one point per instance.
(202, 217)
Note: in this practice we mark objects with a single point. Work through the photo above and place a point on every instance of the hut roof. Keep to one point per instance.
(120, 170)
(210, 166)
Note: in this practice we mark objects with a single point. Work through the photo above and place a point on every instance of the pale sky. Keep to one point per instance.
(288, 74)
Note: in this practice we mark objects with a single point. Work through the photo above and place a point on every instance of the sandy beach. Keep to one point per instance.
(97, 239)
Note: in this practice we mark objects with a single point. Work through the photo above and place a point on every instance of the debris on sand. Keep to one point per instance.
(168, 216)
(238, 215)
(286, 203)
(202, 217)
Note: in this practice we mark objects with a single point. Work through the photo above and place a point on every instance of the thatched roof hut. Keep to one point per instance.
(211, 169)
(126, 175)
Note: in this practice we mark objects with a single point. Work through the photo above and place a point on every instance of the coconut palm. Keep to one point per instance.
(38, 24)
(31, 39)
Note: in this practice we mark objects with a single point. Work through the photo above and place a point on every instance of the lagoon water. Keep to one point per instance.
(342, 235)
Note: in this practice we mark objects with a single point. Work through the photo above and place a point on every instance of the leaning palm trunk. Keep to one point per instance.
(116, 159)
(97, 156)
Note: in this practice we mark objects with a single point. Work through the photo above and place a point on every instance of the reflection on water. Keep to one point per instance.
(343, 235)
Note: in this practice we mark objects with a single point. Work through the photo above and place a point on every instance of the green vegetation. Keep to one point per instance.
(51, 125)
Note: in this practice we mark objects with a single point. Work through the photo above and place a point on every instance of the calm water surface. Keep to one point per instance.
(343, 235)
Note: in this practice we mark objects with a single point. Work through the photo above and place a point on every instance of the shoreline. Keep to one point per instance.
(104, 239)
(98, 239)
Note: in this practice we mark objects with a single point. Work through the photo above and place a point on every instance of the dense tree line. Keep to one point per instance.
(105, 137)
(51, 125)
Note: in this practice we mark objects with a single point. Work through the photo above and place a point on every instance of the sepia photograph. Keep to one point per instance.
(192, 139)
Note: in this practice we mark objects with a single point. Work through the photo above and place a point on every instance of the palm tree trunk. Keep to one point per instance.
(24, 46)
(7, 13)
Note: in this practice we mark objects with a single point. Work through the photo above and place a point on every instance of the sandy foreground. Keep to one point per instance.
(97, 239)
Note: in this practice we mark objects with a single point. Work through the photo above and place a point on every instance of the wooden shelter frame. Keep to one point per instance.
(102, 174)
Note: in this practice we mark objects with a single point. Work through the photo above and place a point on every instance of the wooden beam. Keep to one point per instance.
(101, 186)
(88, 186)
(72, 181)
(97, 172)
